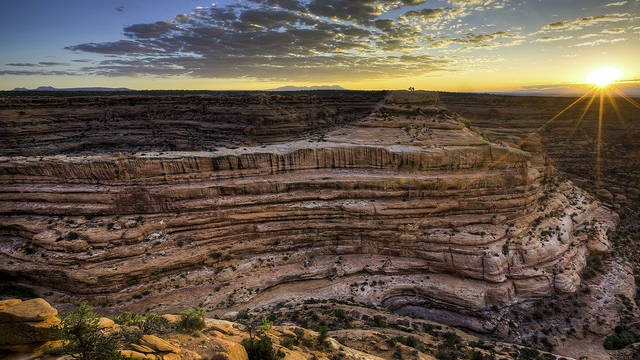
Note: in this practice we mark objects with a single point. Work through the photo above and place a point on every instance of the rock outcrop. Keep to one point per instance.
(408, 201)
(25, 326)
(370, 334)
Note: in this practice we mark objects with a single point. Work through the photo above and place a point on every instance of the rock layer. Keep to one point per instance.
(407, 202)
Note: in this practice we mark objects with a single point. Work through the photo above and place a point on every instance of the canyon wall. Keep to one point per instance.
(405, 208)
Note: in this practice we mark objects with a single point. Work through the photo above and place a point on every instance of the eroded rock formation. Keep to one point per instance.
(420, 212)
(25, 326)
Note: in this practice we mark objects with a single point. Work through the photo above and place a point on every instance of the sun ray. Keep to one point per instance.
(622, 95)
(614, 104)
(536, 131)
(575, 126)
(599, 138)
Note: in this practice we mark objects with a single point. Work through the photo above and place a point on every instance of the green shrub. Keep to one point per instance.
(323, 334)
(409, 341)
(529, 354)
(131, 335)
(289, 342)
(261, 349)
(156, 324)
(619, 340)
(451, 339)
(447, 354)
(82, 338)
(192, 319)
(129, 319)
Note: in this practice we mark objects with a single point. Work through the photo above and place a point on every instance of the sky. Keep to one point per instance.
(448, 45)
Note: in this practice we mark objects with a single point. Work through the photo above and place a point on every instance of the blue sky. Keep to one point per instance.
(457, 45)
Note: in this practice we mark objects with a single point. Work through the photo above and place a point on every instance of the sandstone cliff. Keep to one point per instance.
(408, 198)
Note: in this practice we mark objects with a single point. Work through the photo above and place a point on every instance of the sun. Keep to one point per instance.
(604, 76)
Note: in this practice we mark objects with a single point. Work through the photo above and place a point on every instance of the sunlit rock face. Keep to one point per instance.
(405, 208)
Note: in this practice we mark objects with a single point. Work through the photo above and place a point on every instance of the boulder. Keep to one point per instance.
(172, 319)
(158, 344)
(190, 355)
(27, 322)
(231, 350)
(605, 195)
(31, 310)
(222, 326)
(142, 348)
(105, 323)
(130, 354)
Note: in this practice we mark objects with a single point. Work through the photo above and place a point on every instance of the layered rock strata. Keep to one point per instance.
(47, 125)
(409, 204)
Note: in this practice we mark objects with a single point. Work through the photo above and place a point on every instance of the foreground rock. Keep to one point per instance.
(422, 213)
(372, 335)
(25, 326)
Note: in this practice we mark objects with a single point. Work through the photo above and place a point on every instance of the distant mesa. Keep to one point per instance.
(306, 88)
(51, 88)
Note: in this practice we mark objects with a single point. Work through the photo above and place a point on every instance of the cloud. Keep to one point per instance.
(23, 64)
(182, 18)
(148, 31)
(346, 9)
(476, 40)
(122, 47)
(38, 73)
(619, 3)
(601, 42)
(40, 64)
(297, 40)
(552, 38)
(583, 22)
(613, 31)
(276, 39)
(51, 63)
(428, 15)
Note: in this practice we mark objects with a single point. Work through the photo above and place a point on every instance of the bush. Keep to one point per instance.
(262, 349)
(151, 324)
(192, 319)
(447, 354)
(156, 324)
(529, 354)
(289, 342)
(83, 339)
(323, 334)
(131, 335)
(619, 340)
(129, 319)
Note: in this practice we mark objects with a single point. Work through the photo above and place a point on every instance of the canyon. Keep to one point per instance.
(240, 201)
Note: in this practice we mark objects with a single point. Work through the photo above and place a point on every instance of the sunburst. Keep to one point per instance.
(604, 76)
